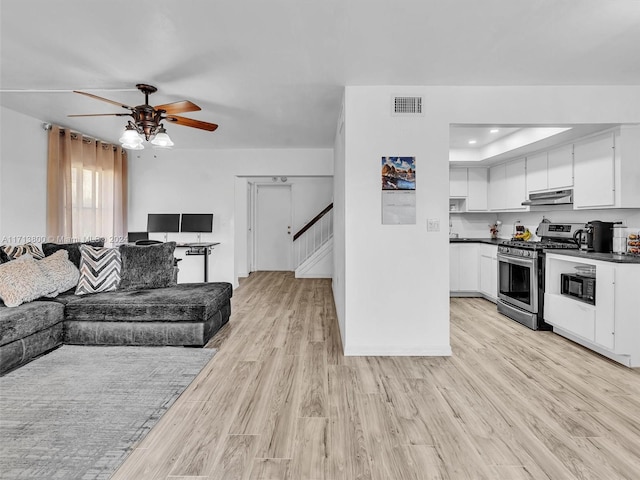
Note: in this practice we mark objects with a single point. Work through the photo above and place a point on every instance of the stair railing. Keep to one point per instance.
(313, 235)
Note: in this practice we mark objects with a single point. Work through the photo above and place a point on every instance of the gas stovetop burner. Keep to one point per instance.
(541, 245)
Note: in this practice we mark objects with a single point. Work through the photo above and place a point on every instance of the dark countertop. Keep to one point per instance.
(486, 240)
(603, 257)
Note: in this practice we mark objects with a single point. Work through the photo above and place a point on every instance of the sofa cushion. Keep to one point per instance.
(147, 266)
(72, 248)
(27, 319)
(22, 280)
(99, 270)
(15, 251)
(187, 302)
(61, 271)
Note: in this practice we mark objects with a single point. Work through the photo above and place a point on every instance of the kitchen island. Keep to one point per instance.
(609, 326)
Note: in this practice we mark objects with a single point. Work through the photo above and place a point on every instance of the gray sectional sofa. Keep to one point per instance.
(182, 315)
(147, 308)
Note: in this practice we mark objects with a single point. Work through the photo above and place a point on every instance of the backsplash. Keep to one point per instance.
(477, 224)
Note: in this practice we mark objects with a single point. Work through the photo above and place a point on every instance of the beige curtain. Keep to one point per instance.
(86, 188)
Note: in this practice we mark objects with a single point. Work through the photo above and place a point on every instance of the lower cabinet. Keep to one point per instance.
(463, 267)
(610, 326)
(489, 271)
(473, 270)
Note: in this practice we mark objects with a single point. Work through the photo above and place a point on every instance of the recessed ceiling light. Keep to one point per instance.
(494, 130)
(471, 142)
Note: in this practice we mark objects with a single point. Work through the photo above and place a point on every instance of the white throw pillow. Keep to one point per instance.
(22, 280)
(63, 273)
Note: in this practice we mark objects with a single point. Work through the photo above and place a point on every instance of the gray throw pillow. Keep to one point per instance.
(147, 266)
(62, 272)
(72, 248)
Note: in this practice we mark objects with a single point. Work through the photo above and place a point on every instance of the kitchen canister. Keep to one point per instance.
(619, 238)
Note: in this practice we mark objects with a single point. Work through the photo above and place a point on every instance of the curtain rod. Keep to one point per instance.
(85, 138)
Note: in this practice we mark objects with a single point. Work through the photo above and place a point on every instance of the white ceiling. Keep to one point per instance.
(271, 73)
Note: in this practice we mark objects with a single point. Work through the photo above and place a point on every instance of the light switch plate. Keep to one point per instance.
(433, 224)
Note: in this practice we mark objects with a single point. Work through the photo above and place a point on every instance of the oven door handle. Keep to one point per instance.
(525, 262)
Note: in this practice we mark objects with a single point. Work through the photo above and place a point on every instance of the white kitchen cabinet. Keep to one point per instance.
(454, 267)
(463, 267)
(605, 311)
(489, 271)
(516, 183)
(497, 178)
(477, 186)
(560, 168)
(457, 182)
(537, 170)
(594, 169)
(551, 170)
(468, 186)
(610, 326)
(508, 186)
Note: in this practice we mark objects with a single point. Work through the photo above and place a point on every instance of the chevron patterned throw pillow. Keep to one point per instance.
(14, 251)
(99, 270)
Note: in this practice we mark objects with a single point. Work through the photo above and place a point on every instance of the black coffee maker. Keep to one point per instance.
(597, 236)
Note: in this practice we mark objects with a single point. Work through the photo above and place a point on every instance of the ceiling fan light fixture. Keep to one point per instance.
(133, 146)
(130, 136)
(162, 139)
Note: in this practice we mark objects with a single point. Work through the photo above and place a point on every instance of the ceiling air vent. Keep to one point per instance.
(406, 105)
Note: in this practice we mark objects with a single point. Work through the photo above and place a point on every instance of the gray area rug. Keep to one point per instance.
(77, 412)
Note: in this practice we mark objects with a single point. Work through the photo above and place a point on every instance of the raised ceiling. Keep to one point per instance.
(271, 74)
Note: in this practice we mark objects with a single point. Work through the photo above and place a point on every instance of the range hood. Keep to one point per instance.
(555, 197)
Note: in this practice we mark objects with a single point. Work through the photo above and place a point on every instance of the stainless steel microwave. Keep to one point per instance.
(579, 287)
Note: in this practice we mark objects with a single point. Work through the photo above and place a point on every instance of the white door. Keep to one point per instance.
(273, 236)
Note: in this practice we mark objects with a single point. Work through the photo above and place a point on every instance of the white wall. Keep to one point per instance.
(23, 178)
(177, 181)
(339, 231)
(396, 277)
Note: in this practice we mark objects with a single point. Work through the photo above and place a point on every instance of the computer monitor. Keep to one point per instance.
(197, 222)
(163, 222)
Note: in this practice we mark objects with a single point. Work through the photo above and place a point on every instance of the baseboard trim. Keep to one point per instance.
(387, 351)
(313, 275)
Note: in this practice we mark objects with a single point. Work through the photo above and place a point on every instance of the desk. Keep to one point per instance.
(203, 249)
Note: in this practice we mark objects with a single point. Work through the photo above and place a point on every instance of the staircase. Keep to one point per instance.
(313, 247)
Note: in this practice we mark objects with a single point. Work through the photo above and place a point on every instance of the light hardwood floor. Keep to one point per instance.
(279, 401)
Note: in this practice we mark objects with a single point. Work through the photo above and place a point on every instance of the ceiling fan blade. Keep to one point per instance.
(103, 99)
(178, 107)
(101, 115)
(189, 122)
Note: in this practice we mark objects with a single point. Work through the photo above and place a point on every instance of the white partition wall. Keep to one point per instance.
(391, 281)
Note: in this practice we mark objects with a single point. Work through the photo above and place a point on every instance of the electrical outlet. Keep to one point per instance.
(433, 224)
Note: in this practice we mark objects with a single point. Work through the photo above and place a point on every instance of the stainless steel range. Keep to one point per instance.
(521, 272)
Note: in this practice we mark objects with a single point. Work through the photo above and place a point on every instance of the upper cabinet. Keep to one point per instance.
(477, 189)
(552, 170)
(603, 170)
(457, 182)
(607, 170)
(594, 172)
(560, 168)
(469, 185)
(508, 186)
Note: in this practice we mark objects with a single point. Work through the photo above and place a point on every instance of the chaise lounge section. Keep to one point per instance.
(185, 314)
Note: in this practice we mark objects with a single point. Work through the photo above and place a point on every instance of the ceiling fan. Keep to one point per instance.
(147, 120)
